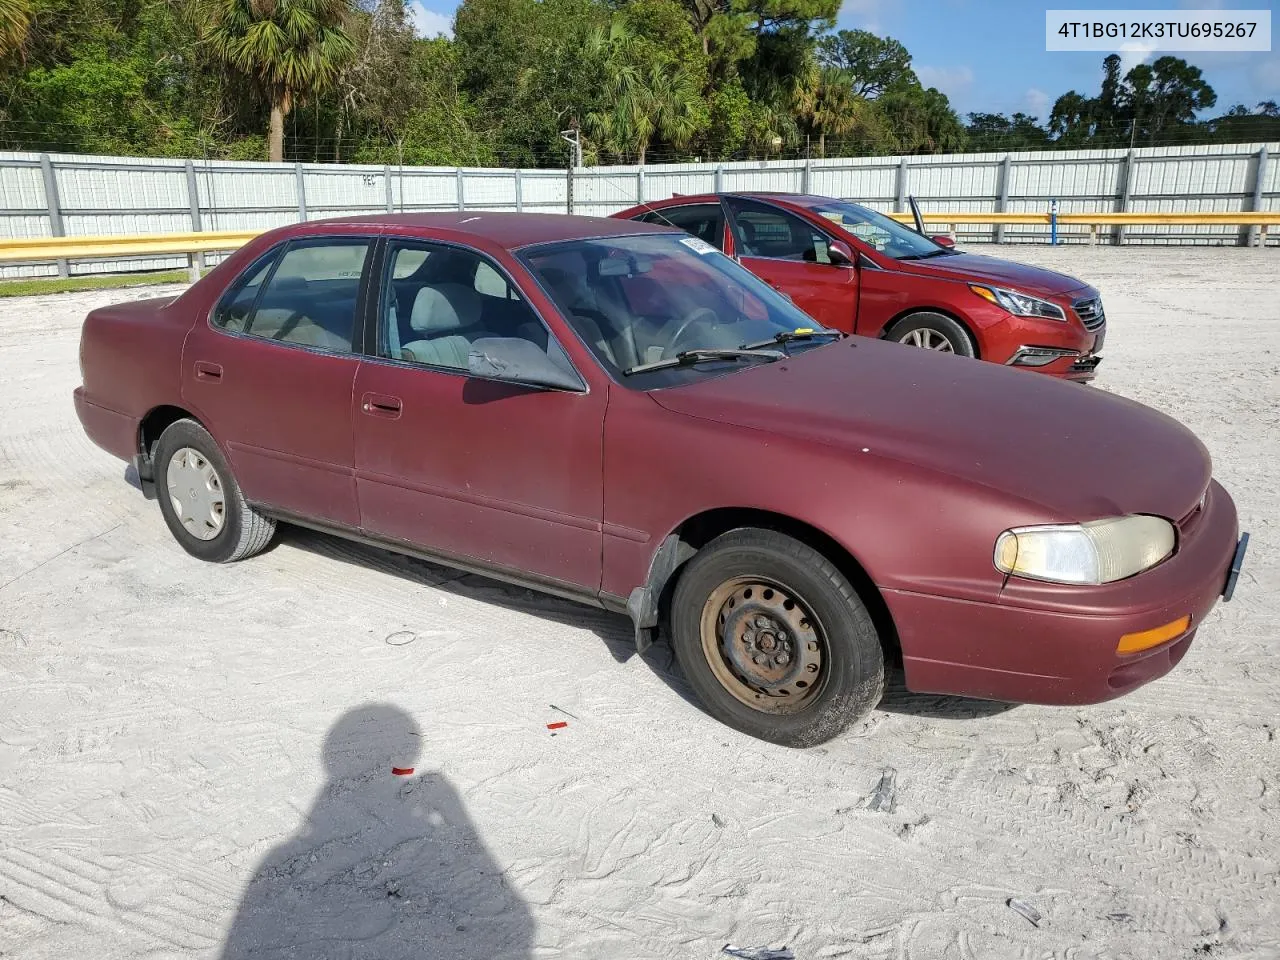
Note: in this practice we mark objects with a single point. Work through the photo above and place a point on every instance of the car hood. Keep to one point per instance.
(1076, 452)
(975, 268)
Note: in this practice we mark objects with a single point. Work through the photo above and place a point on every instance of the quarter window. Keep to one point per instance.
(310, 297)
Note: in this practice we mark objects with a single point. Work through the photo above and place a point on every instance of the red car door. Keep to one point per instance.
(790, 254)
(470, 468)
(270, 375)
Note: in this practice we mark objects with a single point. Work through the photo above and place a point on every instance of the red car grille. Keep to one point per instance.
(1090, 313)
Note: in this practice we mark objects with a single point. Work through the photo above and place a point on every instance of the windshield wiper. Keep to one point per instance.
(789, 336)
(686, 358)
(926, 256)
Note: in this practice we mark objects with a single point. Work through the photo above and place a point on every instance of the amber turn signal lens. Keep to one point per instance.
(1146, 639)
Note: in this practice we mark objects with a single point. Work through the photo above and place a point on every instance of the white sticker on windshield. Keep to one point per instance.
(698, 245)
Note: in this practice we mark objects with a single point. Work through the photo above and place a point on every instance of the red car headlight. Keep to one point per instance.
(1086, 553)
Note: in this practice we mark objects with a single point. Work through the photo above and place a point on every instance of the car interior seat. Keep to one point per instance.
(439, 312)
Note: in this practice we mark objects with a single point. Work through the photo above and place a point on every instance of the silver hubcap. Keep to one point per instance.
(195, 490)
(929, 339)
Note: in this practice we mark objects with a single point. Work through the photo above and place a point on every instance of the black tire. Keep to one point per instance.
(954, 333)
(851, 674)
(244, 531)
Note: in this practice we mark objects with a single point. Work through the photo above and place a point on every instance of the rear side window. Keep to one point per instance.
(308, 296)
(236, 305)
(704, 220)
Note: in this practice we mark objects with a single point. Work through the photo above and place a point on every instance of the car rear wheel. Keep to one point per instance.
(774, 640)
(200, 499)
(933, 331)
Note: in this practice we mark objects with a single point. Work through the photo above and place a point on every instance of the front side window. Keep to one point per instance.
(308, 296)
(887, 235)
(704, 220)
(437, 301)
(765, 231)
(642, 299)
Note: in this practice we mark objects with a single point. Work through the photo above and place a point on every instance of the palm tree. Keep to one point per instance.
(15, 17)
(826, 103)
(648, 99)
(291, 48)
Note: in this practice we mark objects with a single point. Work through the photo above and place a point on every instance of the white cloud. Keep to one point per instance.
(1132, 54)
(861, 14)
(953, 81)
(429, 23)
(1037, 102)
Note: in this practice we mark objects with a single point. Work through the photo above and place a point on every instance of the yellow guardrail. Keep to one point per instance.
(1261, 219)
(37, 249)
(109, 247)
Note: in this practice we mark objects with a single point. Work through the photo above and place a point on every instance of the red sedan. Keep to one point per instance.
(854, 269)
(620, 414)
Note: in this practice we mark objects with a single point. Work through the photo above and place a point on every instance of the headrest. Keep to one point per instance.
(444, 307)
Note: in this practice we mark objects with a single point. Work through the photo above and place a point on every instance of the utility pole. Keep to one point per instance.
(574, 139)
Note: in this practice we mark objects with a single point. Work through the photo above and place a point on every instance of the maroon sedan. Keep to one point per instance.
(856, 270)
(618, 413)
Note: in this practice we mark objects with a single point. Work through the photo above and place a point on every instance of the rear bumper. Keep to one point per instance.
(114, 432)
(1003, 651)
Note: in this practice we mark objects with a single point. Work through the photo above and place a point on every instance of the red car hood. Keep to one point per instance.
(1077, 452)
(974, 268)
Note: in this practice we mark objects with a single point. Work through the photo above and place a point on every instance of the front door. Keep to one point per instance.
(271, 376)
(470, 468)
(790, 254)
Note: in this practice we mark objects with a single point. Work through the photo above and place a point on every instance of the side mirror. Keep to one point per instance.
(518, 361)
(943, 240)
(839, 254)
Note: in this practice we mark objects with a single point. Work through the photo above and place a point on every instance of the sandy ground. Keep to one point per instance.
(184, 748)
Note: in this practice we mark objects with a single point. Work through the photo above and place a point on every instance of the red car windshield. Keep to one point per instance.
(887, 235)
(639, 300)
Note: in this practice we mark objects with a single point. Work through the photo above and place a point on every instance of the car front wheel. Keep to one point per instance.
(201, 500)
(933, 331)
(774, 639)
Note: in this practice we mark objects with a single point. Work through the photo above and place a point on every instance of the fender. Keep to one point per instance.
(643, 603)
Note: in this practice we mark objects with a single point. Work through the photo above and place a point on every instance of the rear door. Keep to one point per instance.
(790, 254)
(271, 375)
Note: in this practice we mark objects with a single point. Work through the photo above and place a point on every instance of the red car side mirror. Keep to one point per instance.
(839, 254)
(943, 240)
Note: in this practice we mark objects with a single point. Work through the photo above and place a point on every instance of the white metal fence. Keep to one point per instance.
(66, 195)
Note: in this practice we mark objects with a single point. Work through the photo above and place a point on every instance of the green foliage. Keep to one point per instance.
(653, 80)
(291, 48)
(1152, 103)
(873, 64)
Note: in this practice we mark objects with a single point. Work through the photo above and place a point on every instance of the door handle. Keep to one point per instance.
(208, 371)
(379, 405)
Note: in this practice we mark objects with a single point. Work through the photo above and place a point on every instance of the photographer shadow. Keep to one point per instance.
(384, 866)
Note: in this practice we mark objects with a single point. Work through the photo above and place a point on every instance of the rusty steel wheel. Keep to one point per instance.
(774, 639)
(763, 644)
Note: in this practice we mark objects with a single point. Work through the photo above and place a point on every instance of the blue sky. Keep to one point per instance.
(989, 56)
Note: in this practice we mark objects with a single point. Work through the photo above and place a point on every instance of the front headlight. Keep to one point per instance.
(1020, 304)
(1089, 553)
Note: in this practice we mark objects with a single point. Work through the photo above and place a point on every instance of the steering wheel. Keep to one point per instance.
(697, 315)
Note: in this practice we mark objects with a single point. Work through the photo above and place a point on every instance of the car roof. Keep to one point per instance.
(798, 199)
(509, 230)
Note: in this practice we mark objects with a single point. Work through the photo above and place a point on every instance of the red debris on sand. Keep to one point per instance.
(402, 771)
(557, 725)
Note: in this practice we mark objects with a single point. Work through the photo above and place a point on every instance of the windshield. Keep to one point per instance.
(642, 299)
(888, 236)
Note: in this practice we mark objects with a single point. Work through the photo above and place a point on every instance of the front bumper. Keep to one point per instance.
(1063, 650)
